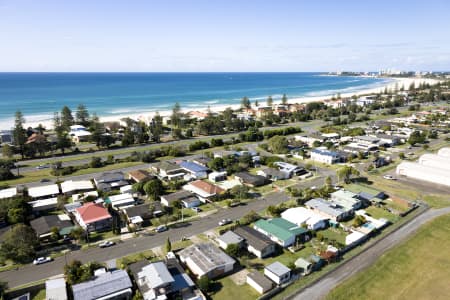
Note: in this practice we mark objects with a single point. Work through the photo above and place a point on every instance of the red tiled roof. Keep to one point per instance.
(91, 212)
(207, 187)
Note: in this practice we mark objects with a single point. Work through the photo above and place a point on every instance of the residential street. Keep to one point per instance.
(366, 258)
(32, 273)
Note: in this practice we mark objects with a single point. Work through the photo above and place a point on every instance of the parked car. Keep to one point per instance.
(45, 180)
(389, 177)
(40, 167)
(225, 222)
(196, 209)
(42, 260)
(161, 228)
(106, 244)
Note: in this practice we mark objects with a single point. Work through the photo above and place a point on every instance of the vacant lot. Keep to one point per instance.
(417, 269)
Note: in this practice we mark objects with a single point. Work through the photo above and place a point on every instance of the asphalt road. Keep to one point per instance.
(366, 258)
(31, 273)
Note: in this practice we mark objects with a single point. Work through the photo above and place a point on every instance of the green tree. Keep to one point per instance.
(168, 245)
(401, 155)
(358, 221)
(82, 115)
(216, 164)
(66, 118)
(97, 130)
(346, 172)
(7, 151)
(233, 250)
(278, 144)
(19, 244)
(176, 116)
(245, 102)
(154, 188)
(416, 138)
(269, 101)
(284, 99)
(19, 133)
(156, 128)
(204, 283)
(240, 192)
(62, 140)
(96, 162)
(77, 233)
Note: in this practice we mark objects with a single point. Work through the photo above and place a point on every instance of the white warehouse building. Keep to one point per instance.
(436, 161)
(424, 172)
(444, 152)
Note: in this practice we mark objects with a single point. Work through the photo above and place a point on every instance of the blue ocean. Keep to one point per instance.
(38, 95)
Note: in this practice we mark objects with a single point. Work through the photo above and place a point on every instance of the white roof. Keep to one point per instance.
(437, 161)
(42, 191)
(70, 185)
(55, 289)
(80, 133)
(8, 193)
(302, 215)
(76, 197)
(43, 202)
(126, 188)
(353, 237)
(444, 152)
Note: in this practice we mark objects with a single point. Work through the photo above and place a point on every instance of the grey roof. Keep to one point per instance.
(102, 285)
(275, 173)
(70, 207)
(278, 268)
(142, 210)
(254, 238)
(206, 256)
(46, 223)
(109, 177)
(178, 196)
(155, 275)
(261, 280)
(325, 207)
(230, 237)
(55, 289)
(250, 178)
(167, 166)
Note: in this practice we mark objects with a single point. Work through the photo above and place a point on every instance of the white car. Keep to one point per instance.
(225, 222)
(106, 244)
(389, 177)
(42, 260)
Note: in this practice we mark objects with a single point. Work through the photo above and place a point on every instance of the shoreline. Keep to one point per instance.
(147, 116)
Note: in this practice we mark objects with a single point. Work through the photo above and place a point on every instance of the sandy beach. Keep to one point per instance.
(147, 116)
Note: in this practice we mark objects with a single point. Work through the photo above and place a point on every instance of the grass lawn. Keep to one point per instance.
(335, 234)
(40, 295)
(226, 289)
(417, 269)
(378, 213)
(132, 258)
(181, 245)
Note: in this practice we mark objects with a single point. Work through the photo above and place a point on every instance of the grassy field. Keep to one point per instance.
(226, 289)
(417, 269)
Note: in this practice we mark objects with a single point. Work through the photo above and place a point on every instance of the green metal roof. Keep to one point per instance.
(280, 228)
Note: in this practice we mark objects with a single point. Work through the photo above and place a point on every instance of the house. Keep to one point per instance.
(43, 204)
(120, 201)
(195, 170)
(8, 193)
(278, 273)
(230, 238)
(328, 209)
(259, 282)
(69, 208)
(93, 217)
(325, 156)
(163, 280)
(205, 259)
(304, 266)
(6, 137)
(110, 180)
(79, 134)
(348, 200)
(84, 196)
(424, 172)
(185, 197)
(273, 174)
(290, 169)
(154, 280)
(45, 191)
(43, 226)
(70, 187)
(256, 242)
(309, 140)
(204, 190)
(388, 140)
(302, 216)
(282, 231)
(355, 237)
(168, 170)
(143, 211)
(126, 189)
(105, 285)
(140, 176)
(366, 194)
(202, 160)
(217, 176)
(250, 179)
(55, 289)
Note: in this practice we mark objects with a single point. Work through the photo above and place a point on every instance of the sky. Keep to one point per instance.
(223, 35)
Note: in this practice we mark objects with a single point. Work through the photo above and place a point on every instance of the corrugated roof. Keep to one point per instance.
(102, 285)
(280, 228)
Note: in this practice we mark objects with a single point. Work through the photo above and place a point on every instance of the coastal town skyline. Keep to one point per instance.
(197, 36)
